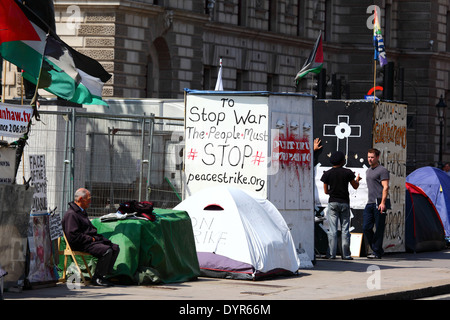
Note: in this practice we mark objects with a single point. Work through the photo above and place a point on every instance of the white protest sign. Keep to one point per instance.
(226, 142)
(14, 119)
(389, 136)
(56, 230)
(39, 181)
(7, 165)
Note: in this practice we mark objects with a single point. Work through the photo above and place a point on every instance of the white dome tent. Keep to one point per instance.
(239, 236)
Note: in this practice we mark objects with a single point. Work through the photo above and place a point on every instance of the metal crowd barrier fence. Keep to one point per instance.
(117, 157)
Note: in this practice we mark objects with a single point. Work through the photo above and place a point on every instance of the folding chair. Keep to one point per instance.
(69, 252)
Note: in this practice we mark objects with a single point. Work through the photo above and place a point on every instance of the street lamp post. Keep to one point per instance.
(440, 107)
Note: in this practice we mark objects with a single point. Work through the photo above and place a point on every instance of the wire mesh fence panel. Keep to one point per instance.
(118, 158)
(46, 137)
(165, 181)
(114, 153)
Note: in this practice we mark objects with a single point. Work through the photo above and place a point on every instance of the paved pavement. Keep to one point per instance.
(396, 276)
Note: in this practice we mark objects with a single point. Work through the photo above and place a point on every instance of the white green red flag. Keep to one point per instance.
(27, 42)
(315, 60)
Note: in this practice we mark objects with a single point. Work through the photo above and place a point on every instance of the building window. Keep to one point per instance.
(242, 13)
(273, 14)
(239, 80)
(207, 78)
(161, 69)
(272, 82)
(328, 20)
(387, 24)
(150, 86)
(448, 31)
(242, 80)
(301, 18)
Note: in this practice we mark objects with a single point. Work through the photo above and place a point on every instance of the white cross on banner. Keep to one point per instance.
(342, 131)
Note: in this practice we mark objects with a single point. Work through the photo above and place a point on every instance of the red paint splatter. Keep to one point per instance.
(292, 151)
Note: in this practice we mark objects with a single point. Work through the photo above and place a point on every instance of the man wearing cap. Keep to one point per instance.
(335, 184)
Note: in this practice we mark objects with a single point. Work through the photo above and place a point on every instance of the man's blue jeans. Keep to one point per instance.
(338, 212)
(372, 217)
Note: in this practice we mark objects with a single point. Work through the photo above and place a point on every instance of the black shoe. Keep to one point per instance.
(347, 258)
(373, 256)
(101, 282)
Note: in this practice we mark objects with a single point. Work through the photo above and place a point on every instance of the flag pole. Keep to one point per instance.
(34, 100)
(4, 80)
(22, 88)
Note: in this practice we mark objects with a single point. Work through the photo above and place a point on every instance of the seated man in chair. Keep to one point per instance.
(83, 236)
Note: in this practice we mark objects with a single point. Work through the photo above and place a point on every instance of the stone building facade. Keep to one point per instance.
(156, 48)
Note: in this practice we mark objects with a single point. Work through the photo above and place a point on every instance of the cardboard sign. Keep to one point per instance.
(56, 230)
(389, 136)
(39, 181)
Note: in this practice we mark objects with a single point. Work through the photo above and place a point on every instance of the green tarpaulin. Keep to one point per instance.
(161, 251)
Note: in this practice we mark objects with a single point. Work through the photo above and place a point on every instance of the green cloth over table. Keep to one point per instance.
(153, 251)
(160, 251)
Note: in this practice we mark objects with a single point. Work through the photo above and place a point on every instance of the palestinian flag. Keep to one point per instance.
(315, 61)
(46, 61)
